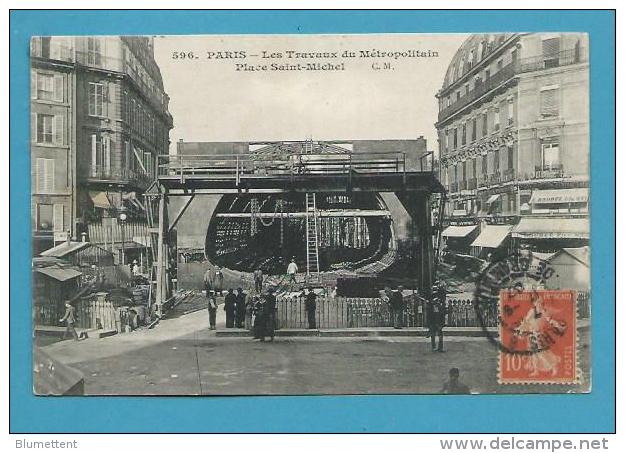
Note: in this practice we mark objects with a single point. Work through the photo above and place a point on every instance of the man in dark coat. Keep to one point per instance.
(397, 305)
(212, 309)
(259, 319)
(310, 304)
(230, 307)
(436, 310)
(270, 313)
(240, 308)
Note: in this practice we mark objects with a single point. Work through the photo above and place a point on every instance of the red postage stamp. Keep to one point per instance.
(538, 333)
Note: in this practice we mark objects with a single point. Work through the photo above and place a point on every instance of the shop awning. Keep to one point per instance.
(493, 198)
(555, 196)
(458, 231)
(59, 274)
(100, 200)
(552, 227)
(492, 236)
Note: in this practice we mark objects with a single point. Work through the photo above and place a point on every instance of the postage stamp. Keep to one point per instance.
(538, 332)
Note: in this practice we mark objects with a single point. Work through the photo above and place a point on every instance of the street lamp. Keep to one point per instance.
(122, 217)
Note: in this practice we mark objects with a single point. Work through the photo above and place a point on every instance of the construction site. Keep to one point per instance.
(310, 201)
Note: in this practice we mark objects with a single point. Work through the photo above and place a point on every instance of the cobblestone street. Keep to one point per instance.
(168, 361)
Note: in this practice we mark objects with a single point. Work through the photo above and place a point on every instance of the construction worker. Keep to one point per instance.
(258, 280)
(230, 307)
(291, 271)
(218, 282)
(70, 319)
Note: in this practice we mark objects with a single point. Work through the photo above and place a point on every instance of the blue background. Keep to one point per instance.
(593, 412)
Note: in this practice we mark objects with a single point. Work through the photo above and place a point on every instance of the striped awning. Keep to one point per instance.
(458, 231)
(492, 236)
(552, 227)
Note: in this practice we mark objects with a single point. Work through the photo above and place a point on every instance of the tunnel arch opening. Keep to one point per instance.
(265, 231)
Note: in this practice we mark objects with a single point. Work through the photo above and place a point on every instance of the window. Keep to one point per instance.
(486, 75)
(474, 167)
(551, 50)
(510, 157)
(464, 133)
(473, 129)
(496, 161)
(45, 126)
(466, 89)
(455, 138)
(510, 111)
(96, 99)
(94, 51)
(464, 171)
(148, 163)
(496, 119)
(485, 164)
(100, 156)
(45, 217)
(484, 123)
(456, 173)
(549, 102)
(45, 86)
(125, 106)
(550, 156)
(44, 175)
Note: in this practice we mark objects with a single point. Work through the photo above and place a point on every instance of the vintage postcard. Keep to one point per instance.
(310, 214)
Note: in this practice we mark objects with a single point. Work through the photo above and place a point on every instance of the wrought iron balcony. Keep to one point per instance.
(508, 175)
(549, 172)
(530, 64)
(122, 176)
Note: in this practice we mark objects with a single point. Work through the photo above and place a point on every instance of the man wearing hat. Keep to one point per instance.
(230, 307)
(69, 319)
(212, 309)
(310, 304)
(435, 311)
(240, 308)
(270, 313)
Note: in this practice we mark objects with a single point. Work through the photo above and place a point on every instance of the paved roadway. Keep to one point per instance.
(181, 356)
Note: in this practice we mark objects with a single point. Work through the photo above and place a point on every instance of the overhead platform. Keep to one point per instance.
(227, 174)
(424, 182)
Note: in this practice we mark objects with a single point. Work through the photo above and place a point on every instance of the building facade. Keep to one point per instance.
(100, 118)
(513, 133)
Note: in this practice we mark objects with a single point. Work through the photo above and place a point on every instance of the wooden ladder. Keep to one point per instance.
(312, 245)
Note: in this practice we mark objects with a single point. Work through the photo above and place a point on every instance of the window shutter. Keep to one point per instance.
(33, 84)
(39, 174)
(33, 127)
(59, 129)
(551, 47)
(94, 155)
(49, 175)
(106, 144)
(58, 88)
(548, 104)
(57, 219)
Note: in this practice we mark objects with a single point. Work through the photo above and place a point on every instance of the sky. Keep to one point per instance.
(213, 101)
